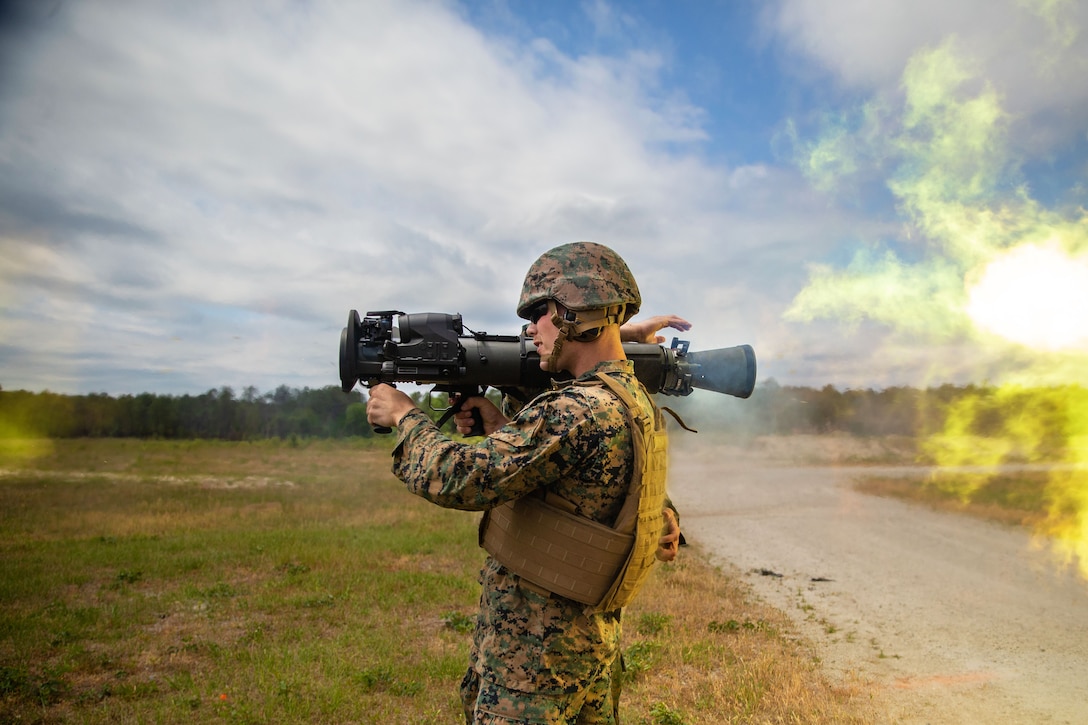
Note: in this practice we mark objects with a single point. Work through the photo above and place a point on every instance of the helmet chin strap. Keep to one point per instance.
(564, 328)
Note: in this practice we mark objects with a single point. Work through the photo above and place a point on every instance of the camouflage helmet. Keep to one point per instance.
(581, 276)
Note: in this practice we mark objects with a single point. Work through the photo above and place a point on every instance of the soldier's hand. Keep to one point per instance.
(492, 417)
(386, 405)
(646, 330)
(668, 546)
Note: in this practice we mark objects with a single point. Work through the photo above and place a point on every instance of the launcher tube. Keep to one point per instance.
(431, 348)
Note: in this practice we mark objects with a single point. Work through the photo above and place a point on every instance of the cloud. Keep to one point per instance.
(990, 262)
(1033, 52)
(222, 174)
(201, 191)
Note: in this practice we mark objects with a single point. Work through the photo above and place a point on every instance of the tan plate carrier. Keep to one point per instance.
(541, 540)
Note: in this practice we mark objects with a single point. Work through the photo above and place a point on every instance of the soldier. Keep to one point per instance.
(586, 459)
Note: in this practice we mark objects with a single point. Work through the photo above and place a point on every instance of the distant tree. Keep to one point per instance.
(355, 423)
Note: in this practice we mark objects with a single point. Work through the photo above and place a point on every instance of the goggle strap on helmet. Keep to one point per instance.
(588, 320)
(579, 329)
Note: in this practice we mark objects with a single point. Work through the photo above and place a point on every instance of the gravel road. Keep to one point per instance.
(950, 619)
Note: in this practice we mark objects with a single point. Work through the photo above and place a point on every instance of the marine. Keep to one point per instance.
(587, 458)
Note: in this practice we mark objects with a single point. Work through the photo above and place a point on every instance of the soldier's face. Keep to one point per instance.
(543, 333)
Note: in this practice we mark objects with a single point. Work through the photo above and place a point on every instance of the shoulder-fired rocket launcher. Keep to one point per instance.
(432, 348)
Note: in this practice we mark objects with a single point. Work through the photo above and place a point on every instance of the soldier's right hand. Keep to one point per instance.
(492, 417)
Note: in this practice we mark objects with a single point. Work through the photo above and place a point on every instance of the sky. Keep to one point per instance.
(869, 192)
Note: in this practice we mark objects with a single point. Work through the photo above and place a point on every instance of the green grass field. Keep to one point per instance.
(270, 582)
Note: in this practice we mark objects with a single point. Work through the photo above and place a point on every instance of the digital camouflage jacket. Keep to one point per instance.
(573, 441)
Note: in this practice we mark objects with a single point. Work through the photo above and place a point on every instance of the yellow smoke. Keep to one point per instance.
(955, 184)
(987, 428)
(19, 447)
(984, 264)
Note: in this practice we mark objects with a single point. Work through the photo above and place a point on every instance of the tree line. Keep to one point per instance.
(330, 413)
(1042, 418)
(216, 414)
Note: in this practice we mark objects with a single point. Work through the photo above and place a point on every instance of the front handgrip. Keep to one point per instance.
(379, 429)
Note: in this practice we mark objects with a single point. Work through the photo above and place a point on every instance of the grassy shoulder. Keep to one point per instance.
(1018, 499)
(1046, 498)
(160, 581)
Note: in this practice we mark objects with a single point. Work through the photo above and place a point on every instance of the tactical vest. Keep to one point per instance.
(543, 541)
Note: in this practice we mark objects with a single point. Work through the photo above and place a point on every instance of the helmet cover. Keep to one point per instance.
(581, 276)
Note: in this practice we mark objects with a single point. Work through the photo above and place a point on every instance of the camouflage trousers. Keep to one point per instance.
(488, 703)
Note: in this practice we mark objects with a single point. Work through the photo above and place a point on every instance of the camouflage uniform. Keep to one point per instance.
(536, 657)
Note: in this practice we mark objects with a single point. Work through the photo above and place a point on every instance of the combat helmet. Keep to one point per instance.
(591, 281)
(581, 276)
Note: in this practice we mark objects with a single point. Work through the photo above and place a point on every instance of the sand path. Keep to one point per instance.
(953, 620)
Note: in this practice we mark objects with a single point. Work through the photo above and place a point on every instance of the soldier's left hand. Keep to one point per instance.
(646, 330)
(386, 405)
(668, 546)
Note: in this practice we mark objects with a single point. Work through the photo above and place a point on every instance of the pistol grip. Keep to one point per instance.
(477, 423)
(458, 403)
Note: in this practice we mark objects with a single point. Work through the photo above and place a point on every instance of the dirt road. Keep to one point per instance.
(953, 620)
